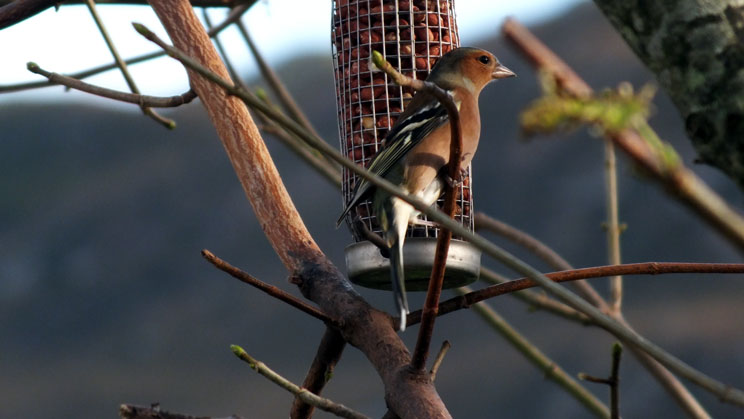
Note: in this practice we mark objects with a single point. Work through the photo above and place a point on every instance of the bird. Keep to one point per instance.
(416, 151)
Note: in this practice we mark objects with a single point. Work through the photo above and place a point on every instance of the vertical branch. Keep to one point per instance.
(431, 304)
(329, 353)
(613, 225)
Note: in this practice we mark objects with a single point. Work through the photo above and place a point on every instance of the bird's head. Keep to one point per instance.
(471, 68)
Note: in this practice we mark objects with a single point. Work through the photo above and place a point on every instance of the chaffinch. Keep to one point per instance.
(417, 150)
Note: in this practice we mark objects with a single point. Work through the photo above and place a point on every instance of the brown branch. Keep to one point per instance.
(688, 187)
(647, 268)
(446, 345)
(537, 300)
(319, 280)
(137, 99)
(130, 411)
(273, 291)
(434, 291)
(329, 353)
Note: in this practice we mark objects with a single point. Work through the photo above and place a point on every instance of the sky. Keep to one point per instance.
(68, 40)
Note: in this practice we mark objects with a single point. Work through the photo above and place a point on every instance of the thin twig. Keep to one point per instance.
(446, 345)
(533, 354)
(521, 238)
(537, 300)
(234, 15)
(273, 291)
(613, 381)
(648, 268)
(725, 393)
(306, 396)
(539, 249)
(329, 353)
(325, 168)
(613, 226)
(434, 291)
(285, 98)
(168, 123)
(137, 99)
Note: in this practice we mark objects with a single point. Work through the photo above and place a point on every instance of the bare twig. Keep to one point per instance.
(235, 14)
(273, 291)
(446, 345)
(281, 91)
(302, 393)
(551, 370)
(329, 353)
(537, 300)
(648, 268)
(613, 226)
(168, 123)
(613, 380)
(434, 291)
(539, 249)
(137, 99)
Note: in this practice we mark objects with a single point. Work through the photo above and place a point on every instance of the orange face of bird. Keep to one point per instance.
(481, 67)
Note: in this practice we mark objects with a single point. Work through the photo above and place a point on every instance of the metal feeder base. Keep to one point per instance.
(368, 268)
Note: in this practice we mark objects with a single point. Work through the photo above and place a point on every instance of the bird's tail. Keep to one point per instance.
(398, 281)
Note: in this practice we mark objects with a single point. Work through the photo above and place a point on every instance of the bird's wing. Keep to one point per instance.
(426, 115)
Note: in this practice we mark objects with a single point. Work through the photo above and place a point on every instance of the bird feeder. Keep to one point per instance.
(412, 35)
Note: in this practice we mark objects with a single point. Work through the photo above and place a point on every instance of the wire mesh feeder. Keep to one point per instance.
(411, 35)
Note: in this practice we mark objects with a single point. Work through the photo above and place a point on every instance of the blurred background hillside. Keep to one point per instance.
(104, 298)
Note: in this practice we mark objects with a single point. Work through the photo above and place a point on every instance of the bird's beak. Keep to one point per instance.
(502, 72)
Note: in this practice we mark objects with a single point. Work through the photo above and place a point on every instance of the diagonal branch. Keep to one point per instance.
(302, 393)
(273, 291)
(137, 99)
(329, 353)
(168, 123)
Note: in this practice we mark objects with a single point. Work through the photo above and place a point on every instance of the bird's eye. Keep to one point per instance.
(485, 59)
